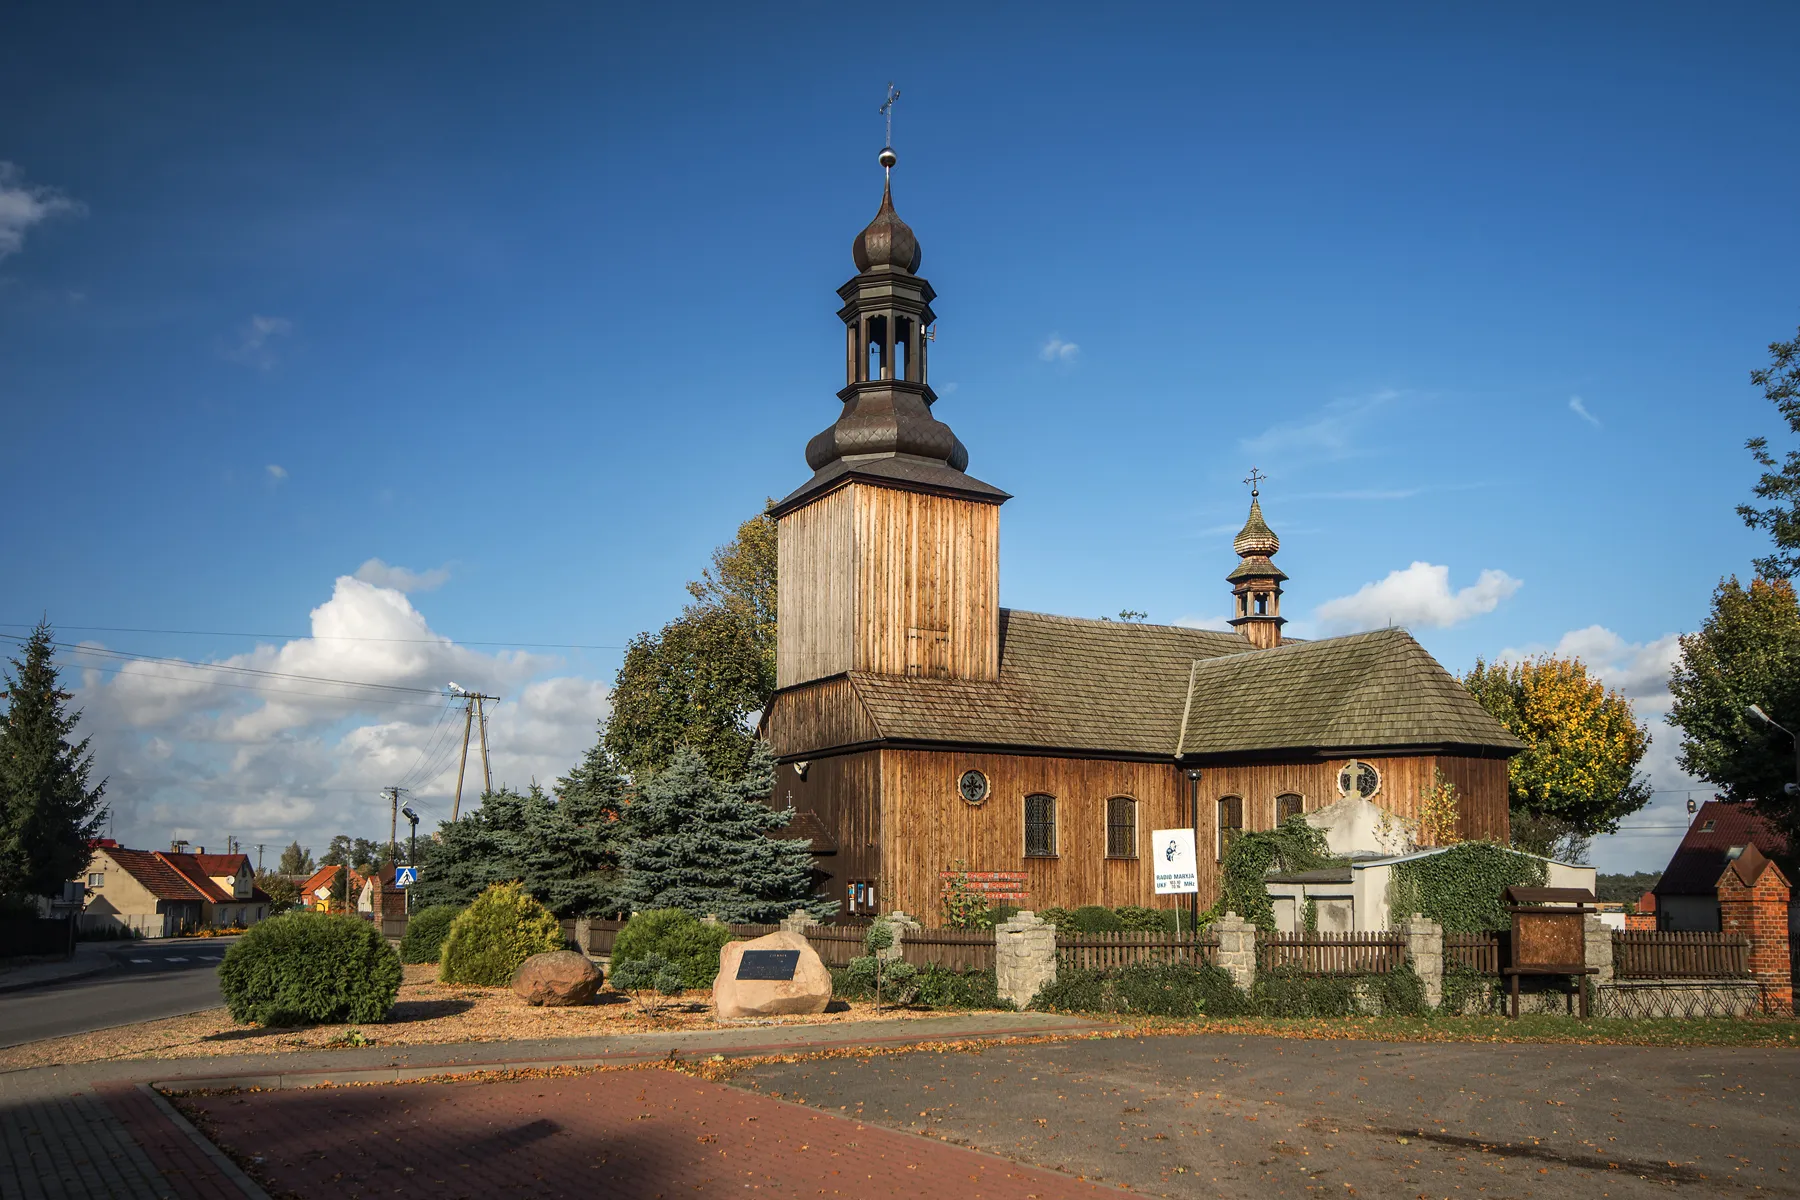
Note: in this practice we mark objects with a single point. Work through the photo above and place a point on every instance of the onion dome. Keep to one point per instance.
(888, 241)
(1256, 538)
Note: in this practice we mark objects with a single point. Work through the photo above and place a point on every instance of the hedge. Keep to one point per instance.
(500, 929)
(426, 931)
(690, 944)
(1157, 990)
(310, 969)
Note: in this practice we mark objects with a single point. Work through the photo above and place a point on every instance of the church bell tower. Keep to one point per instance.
(1256, 583)
(889, 555)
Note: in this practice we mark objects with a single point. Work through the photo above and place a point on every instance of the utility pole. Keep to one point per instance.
(393, 795)
(259, 850)
(472, 709)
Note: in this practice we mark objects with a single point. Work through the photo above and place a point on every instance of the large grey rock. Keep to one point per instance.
(559, 979)
(809, 991)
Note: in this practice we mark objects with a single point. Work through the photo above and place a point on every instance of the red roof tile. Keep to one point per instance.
(158, 877)
(222, 864)
(196, 874)
(1697, 863)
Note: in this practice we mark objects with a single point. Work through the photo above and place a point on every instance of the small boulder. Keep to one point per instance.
(559, 979)
(809, 991)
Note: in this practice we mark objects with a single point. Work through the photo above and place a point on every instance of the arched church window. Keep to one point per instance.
(1288, 805)
(1040, 826)
(1231, 822)
(1121, 827)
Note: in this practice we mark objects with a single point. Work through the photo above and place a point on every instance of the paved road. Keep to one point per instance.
(149, 980)
(1236, 1116)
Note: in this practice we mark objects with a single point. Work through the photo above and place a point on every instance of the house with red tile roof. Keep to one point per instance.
(1687, 896)
(160, 893)
(373, 896)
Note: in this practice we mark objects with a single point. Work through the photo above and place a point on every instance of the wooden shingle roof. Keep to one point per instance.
(1125, 688)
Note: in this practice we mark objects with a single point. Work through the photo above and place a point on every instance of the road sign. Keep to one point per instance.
(1173, 853)
(406, 876)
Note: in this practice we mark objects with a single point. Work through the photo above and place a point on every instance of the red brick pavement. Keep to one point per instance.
(184, 1166)
(649, 1133)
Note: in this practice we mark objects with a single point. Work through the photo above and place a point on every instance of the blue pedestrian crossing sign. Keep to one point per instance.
(406, 876)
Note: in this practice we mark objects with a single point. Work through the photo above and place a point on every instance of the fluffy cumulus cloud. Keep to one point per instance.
(400, 578)
(1640, 672)
(24, 206)
(1055, 350)
(298, 739)
(1417, 597)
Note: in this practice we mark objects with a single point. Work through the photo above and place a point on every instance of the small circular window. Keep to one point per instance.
(972, 787)
(1359, 779)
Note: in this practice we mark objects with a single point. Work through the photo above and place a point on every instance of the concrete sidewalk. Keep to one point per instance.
(90, 958)
(93, 1130)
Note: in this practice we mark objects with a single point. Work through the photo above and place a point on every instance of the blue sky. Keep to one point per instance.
(538, 305)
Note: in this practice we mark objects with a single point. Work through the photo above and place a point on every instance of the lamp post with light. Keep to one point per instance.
(1755, 711)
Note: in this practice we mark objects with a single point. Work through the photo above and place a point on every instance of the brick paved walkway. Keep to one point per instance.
(648, 1133)
(74, 1147)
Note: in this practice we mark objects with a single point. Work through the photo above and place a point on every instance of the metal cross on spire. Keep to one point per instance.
(1255, 478)
(887, 110)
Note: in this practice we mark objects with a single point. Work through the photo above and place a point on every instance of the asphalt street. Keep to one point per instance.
(1237, 1116)
(148, 980)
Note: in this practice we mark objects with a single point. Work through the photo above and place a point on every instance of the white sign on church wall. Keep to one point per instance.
(1176, 867)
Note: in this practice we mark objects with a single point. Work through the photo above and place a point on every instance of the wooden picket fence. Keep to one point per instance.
(1666, 954)
(1330, 953)
(836, 944)
(952, 949)
(1481, 950)
(1131, 947)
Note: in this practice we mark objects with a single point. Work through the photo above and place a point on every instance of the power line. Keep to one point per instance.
(77, 648)
(249, 687)
(315, 637)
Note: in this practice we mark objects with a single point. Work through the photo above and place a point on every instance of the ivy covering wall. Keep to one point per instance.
(1291, 846)
(1461, 889)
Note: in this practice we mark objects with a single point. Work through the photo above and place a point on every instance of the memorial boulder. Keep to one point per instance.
(776, 975)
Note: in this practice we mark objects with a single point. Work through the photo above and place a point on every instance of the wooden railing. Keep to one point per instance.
(1666, 954)
(601, 933)
(1132, 947)
(1330, 953)
(952, 949)
(836, 944)
(1479, 951)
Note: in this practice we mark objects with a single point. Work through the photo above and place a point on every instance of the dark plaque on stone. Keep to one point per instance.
(768, 964)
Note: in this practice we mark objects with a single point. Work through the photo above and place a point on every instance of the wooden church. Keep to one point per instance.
(922, 729)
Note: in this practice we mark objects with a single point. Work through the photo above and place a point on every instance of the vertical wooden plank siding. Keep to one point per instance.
(818, 717)
(1480, 784)
(844, 791)
(815, 557)
(928, 585)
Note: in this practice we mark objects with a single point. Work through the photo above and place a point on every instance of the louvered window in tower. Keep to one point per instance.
(1040, 826)
(1121, 827)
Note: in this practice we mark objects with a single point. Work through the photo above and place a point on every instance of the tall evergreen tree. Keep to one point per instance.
(703, 844)
(48, 813)
(296, 861)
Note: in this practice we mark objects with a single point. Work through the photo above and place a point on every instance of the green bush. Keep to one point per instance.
(310, 969)
(1291, 994)
(1150, 989)
(692, 945)
(1062, 918)
(1137, 917)
(1095, 918)
(500, 929)
(425, 933)
(651, 980)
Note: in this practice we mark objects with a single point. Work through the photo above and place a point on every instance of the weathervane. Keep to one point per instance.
(888, 157)
(1255, 478)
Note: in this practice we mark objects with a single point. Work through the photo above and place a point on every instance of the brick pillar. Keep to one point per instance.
(1024, 957)
(1753, 901)
(1425, 951)
(796, 921)
(1237, 949)
(1642, 917)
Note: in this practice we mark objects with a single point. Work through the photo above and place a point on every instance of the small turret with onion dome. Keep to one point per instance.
(1256, 583)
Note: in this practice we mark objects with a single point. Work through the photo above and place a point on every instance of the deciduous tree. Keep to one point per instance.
(296, 861)
(1780, 481)
(1747, 652)
(48, 812)
(1577, 776)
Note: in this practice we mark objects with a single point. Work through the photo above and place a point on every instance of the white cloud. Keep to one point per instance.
(1418, 596)
(400, 578)
(1055, 350)
(1331, 435)
(1205, 622)
(1580, 410)
(254, 346)
(199, 753)
(24, 205)
(277, 472)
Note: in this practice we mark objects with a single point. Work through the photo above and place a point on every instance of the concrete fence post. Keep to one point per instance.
(1425, 951)
(900, 923)
(1237, 949)
(796, 921)
(1599, 941)
(1024, 957)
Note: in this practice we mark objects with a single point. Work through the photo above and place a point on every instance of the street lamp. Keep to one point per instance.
(1755, 711)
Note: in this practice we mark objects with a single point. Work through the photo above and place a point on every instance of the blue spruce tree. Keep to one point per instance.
(704, 845)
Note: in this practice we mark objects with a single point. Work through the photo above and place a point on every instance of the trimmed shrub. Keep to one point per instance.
(1062, 918)
(310, 969)
(651, 980)
(690, 944)
(425, 933)
(1094, 918)
(940, 987)
(1138, 917)
(1155, 990)
(500, 929)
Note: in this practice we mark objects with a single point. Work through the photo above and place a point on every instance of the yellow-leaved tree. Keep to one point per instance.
(1577, 776)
